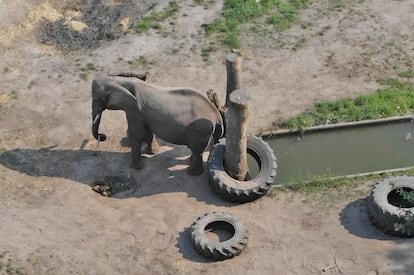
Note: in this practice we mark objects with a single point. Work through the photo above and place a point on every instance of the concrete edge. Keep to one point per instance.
(337, 126)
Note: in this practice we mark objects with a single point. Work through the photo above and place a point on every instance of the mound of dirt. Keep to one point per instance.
(89, 23)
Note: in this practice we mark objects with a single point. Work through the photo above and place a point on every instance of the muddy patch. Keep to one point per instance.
(88, 24)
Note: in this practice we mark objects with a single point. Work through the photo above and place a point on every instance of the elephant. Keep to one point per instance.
(182, 116)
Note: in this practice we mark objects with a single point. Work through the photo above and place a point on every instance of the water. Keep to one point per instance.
(345, 151)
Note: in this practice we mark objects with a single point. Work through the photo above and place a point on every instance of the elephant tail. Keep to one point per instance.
(218, 131)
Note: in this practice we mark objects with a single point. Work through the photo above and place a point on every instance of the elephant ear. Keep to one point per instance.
(119, 97)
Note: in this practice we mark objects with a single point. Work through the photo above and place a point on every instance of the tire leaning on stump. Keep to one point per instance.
(242, 191)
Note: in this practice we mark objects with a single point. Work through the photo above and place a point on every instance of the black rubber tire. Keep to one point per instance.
(217, 250)
(385, 215)
(242, 191)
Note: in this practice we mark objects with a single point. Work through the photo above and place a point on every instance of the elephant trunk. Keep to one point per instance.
(96, 120)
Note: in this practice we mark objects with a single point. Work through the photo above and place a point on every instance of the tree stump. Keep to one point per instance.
(235, 157)
(233, 65)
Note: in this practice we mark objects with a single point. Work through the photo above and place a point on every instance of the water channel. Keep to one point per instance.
(343, 151)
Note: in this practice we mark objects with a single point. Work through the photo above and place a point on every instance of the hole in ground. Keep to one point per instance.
(219, 231)
(396, 197)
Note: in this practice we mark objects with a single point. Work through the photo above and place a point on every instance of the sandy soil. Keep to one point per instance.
(52, 222)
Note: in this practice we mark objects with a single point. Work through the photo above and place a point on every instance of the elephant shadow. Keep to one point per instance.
(164, 172)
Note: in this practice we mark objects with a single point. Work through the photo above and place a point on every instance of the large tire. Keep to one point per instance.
(215, 249)
(242, 191)
(385, 215)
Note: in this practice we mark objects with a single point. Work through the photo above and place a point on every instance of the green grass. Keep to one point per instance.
(322, 184)
(153, 20)
(394, 100)
(142, 61)
(206, 51)
(278, 13)
(406, 74)
(336, 4)
(9, 266)
(317, 185)
(328, 191)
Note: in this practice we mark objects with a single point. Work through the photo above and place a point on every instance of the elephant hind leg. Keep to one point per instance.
(198, 134)
(152, 144)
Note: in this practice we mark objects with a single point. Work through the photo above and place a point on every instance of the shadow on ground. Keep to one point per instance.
(186, 248)
(354, 218)
(163, 173)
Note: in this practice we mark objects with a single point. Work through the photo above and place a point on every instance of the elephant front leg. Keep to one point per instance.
(196, 164)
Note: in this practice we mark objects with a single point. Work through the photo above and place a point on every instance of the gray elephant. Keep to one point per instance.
(182, 116)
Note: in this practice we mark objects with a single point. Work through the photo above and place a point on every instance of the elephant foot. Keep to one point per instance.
(125, 142)
(196, 165)
(195, 171)
(152, 147)
(150, 150)
(137, 165)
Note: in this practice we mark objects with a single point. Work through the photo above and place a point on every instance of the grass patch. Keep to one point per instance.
(142, 61)
(326, 191)
(153, 20)
(336, 5)
(278, 13)
(7, 99)
(406, 74)
(321, 184)
(395, 100)
(9, 266)
(204, 3)
(206, 51)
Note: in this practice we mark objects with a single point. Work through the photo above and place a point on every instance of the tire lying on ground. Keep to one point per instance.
(242, 191)
(387, 209)
(231, 242)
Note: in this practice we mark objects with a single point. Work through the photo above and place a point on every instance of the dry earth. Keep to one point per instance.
(53, 223)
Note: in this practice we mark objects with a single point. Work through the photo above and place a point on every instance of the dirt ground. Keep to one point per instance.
(52, 222)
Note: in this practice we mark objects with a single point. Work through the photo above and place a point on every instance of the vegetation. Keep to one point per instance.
(206, 51)
(153, 20)
(408, 227)
(142, 61)
(322, 183)
(336, 4)
(8, 98)
(328, 191)
(394, 100)
(9, 266)
(278, 13)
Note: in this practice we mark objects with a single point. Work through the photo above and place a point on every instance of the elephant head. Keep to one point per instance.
(106, 94)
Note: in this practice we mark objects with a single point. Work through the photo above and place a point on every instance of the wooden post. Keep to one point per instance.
(235, 156)
(233, 65)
